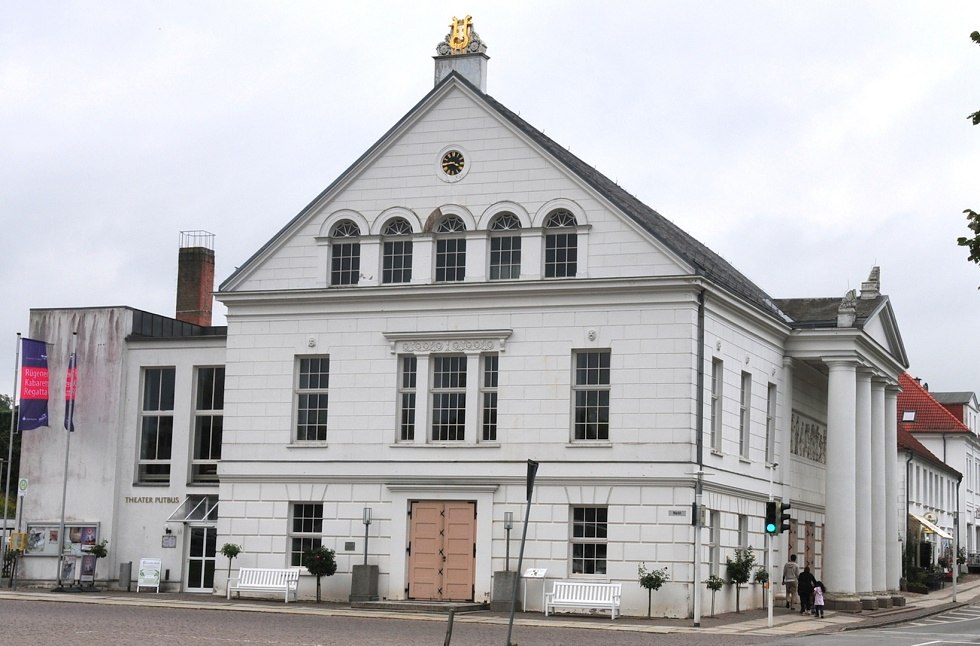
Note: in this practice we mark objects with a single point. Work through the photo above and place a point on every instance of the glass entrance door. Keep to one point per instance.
(201, 559)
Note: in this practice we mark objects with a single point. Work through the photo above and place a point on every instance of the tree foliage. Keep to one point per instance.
(739, 570)
(972, 243)
(320, 562)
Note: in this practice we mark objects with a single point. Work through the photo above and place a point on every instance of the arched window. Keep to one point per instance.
(505, 247)
(450, 250)
(397, 252)
(560, 245)
(345, 253)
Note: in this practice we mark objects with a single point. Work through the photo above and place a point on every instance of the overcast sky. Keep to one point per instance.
(805, 142)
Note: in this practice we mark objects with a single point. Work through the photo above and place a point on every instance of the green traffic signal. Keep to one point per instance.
(771, 526)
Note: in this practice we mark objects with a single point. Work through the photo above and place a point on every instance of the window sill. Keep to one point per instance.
(589, 444)
(445, 445)
(717, 452)
(307, 445)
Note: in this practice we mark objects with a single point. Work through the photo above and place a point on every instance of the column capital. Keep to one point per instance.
(841, 363)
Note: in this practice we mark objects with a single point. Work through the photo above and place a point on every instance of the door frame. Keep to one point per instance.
(186, 569)
(401, 497)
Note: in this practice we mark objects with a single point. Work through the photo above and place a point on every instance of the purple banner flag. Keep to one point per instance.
(33, 385)
(71, 387)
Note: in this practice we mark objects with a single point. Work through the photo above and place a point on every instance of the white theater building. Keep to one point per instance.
(467, 296)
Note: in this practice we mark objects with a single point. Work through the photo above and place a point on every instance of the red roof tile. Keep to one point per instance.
(930, 415)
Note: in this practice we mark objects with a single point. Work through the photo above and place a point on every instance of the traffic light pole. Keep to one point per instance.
(771, 565)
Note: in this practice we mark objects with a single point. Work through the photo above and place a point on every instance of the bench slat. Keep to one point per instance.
(583, 594)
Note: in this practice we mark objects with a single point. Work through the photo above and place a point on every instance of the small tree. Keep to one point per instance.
(739, 570)
(714, 584)
(230, 551)
(762, 576)
(652, 580)
(320, 562)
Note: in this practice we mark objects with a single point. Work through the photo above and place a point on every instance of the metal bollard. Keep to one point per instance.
(126, 574)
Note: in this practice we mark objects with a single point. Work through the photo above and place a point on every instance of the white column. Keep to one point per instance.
(839, 549)
(862, 484)
(894, 511)
(880, 452)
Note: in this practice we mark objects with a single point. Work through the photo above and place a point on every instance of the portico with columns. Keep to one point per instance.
(859, 355)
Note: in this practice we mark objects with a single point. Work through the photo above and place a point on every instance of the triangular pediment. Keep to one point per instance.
(508, 163)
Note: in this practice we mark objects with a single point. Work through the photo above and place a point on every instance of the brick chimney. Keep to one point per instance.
(195, 277)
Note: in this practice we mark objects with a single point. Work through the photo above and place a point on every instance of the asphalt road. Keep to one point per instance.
(43, 623)
(959, 626)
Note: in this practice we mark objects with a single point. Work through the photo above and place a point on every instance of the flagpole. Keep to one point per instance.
(64, 483)
(10, 451)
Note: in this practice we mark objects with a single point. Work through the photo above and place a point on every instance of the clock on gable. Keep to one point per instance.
(453, 163)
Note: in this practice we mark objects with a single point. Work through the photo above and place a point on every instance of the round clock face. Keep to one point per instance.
(453, 162)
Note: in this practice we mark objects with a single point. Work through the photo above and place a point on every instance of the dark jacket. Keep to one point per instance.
(806, 582)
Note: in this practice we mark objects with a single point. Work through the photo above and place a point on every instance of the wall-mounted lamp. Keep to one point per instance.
(366, 519)
(167, 531)
(508, 525)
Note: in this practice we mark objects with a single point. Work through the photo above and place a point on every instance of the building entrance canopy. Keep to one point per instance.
(931, 527)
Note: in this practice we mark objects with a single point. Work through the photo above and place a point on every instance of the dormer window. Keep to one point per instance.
(450, 250)
(345, 254)
(505, 247)
(560, 245)
(397, 252)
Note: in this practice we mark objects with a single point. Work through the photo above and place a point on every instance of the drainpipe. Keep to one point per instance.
(956, 535)
(908, 492)
(699, 443)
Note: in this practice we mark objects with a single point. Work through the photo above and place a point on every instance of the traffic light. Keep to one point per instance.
(784, 517)
(771, 526)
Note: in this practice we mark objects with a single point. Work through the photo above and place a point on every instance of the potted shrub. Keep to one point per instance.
(762, 576)
(739, 570)
(652, 580)
(714, 584)
(230, 551)
(320, 562)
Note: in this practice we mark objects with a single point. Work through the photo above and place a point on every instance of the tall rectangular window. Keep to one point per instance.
(590, 532)
(714, 543)
(450, 260)
(345, 263)
(156, 426)
(448, 398)
(488, 391)
(208, 423)
(771, 424)
(743, 531)
(717, 380)
(560, 245)
(407, 380)
(397, 262)
(312, 399)
(505, 257)
(745, 416)
(590, 388)
(305, 530)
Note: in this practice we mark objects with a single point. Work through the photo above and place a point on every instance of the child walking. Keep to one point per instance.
(818, 591)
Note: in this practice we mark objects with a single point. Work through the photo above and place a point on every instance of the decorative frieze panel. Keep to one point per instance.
(808, 438)
(464, 341)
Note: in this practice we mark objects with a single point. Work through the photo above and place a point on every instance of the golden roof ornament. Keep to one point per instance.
(461, 39)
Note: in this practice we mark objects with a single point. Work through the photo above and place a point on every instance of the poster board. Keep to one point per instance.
(149, 574)
(43, 538)
(86, 575)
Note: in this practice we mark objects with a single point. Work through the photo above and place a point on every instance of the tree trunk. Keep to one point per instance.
(649, 600)
(713, 603)
(318, 589)
(737, 595)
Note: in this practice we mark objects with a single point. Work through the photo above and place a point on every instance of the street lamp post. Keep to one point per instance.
(508, 525)
(366, 519)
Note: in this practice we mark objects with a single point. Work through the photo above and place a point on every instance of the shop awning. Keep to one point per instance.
(196, 509)
(930, 527)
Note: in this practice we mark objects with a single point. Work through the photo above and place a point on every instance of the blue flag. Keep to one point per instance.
(33, 385)
(71, 387)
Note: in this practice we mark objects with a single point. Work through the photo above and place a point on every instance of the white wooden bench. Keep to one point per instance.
(254, 579)
(583, 594)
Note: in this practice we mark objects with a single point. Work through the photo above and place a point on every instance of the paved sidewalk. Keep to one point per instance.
(750, 622)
